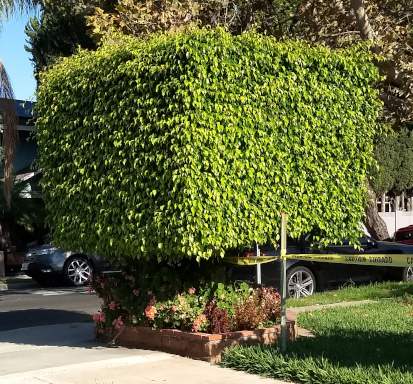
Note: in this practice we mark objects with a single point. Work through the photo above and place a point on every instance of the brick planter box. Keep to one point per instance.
(202, 346)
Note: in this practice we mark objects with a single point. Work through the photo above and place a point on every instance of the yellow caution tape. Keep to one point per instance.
(389, 260)
(254, 260)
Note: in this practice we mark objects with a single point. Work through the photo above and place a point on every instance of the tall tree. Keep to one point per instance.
(9, 134)
(60, 30)
(387, 24)
(373, 222)
(142, 17)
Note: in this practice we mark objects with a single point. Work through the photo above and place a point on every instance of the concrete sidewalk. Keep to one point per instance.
(68, 354)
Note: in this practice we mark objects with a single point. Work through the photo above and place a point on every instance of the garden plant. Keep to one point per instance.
(213, 307)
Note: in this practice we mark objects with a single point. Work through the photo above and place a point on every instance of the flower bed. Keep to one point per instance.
(192, 321)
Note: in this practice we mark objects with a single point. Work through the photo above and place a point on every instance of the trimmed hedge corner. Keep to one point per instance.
(190, 144)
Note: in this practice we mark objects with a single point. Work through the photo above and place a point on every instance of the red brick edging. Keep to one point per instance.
(203, 346)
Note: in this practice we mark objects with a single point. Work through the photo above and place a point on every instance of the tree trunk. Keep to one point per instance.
(363, 23)
(373, 222)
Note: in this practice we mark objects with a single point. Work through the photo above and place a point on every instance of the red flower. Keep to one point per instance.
(112, 305)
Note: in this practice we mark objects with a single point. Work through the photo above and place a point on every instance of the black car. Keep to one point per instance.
(306, 277)
(45, 262)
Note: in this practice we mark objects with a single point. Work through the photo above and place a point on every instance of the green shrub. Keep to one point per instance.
(189, 144)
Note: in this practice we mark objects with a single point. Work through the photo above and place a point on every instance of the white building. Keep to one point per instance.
(397, 212)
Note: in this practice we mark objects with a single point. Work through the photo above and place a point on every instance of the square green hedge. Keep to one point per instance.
(190, 144)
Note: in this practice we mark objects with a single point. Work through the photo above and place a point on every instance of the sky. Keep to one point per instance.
(16, 59)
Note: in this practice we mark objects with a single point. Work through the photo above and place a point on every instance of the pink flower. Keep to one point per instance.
(118, 323)
(99, 317)
(112, 305)
(150, 312)
(136, 292)
(192, 291)
(174, 308)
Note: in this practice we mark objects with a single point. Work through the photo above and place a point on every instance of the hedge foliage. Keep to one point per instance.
(189, 144)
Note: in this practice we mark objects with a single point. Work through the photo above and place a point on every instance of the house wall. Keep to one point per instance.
(397, 219)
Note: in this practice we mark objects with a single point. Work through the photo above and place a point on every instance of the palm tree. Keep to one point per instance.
(7, 104)
(9, 117)
(10, 7)
(9, 125)
(9, 137)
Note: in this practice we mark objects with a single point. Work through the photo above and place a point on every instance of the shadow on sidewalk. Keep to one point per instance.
(47, 327)
(35, 317)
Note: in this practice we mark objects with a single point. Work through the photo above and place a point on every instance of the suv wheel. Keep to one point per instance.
(300, 282)
(78, 271)
(408, 274)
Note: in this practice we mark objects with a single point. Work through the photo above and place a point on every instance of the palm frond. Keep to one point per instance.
(10, 7)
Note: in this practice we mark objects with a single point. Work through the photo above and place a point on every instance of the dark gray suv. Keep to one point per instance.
(45, 262)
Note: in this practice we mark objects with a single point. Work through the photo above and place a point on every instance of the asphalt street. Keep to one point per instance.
(34, 306)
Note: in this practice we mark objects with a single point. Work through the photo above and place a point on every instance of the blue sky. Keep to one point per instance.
(16, 59)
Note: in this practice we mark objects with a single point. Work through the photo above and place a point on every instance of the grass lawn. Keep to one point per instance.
(371, 343)
(373, 291)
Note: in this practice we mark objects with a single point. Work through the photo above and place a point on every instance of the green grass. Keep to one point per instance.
(373, 291)
(371, 343)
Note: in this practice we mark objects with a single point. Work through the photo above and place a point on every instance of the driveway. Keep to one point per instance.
(46, 337)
